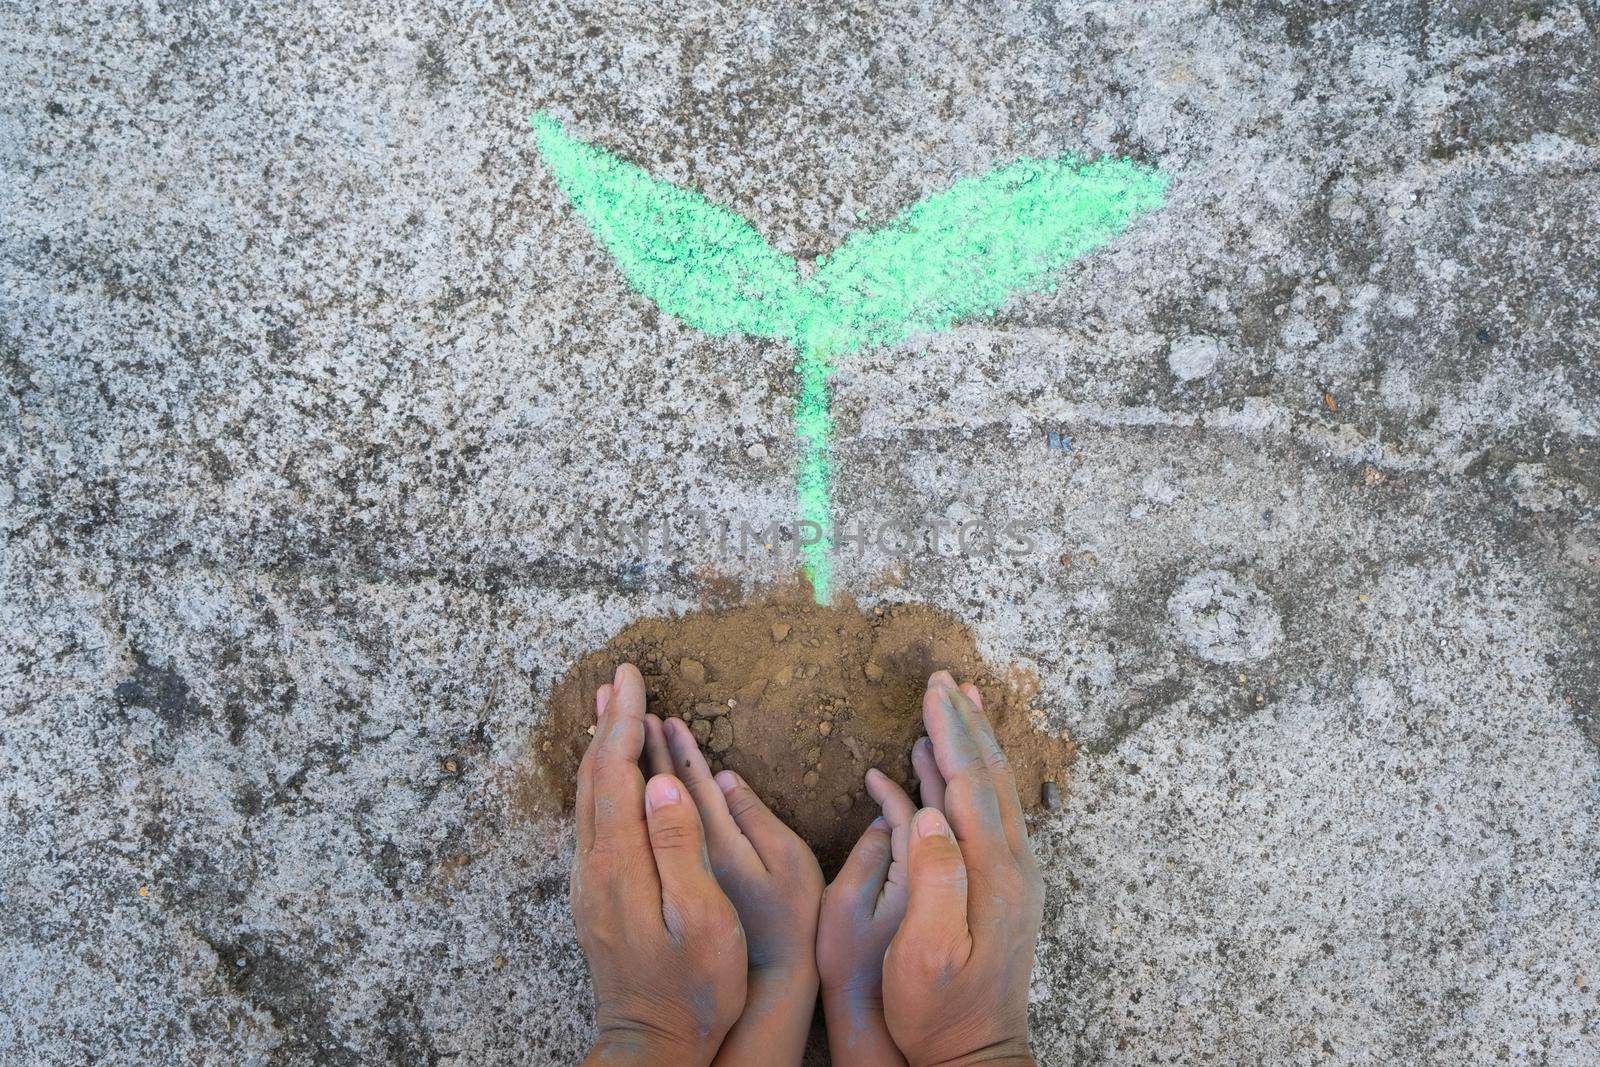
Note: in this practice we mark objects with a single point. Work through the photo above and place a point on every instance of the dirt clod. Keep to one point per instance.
(722, 735)
(802, 716)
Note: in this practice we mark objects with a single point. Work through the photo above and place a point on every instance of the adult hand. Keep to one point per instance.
(861, 910)
(775, 885)
(955, 978)
(665, 947)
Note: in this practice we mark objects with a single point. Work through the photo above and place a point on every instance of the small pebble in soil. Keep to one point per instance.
(780, 630)
(693, 671)
(1050, 795)
(824, 728)
(721, 735)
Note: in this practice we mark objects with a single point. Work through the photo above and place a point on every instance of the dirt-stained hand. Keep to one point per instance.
(774, 883)
(861, 910)
(665, 947)
(955, 978)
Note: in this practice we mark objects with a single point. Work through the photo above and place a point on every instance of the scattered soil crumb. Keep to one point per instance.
(804, 715)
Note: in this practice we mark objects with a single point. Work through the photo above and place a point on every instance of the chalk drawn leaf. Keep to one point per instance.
(950, 256)
(699, 262)
(963, 252)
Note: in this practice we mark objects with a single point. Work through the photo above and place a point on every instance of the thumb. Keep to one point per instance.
(860, 880)
(678, 841)
(934, 931)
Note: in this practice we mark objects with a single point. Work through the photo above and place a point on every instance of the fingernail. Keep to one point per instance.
(930, 822)
(940, 680)
(662, 791)
(880, 823)
(727, 781)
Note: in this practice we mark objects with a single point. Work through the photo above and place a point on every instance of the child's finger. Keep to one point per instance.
(927, 769)
(728, 846)
(898, 811)
(763, 829)
(897, 807)
(860, 880)
(657, 760)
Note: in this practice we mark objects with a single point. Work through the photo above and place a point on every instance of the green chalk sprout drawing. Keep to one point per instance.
(952, 256)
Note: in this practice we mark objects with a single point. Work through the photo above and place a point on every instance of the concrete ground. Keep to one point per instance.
(312, 379)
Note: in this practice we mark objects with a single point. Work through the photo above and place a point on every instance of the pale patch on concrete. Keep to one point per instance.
(1194, 357)
(1224, 618)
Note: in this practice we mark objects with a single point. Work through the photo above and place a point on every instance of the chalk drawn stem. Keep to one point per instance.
(952, 256)
(813, 428)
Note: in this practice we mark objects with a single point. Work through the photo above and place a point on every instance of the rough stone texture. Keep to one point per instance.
(310, 375)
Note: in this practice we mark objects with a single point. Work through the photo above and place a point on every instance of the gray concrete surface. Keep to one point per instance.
(310, 376)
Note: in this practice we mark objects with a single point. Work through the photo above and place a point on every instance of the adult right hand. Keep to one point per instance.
(665, 947)
(955, 978)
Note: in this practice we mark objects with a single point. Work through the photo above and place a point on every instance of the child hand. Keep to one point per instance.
(774, 883)
(861, 911)
(664, 943)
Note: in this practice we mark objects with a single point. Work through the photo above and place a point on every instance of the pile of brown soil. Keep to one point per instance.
(801, 700)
